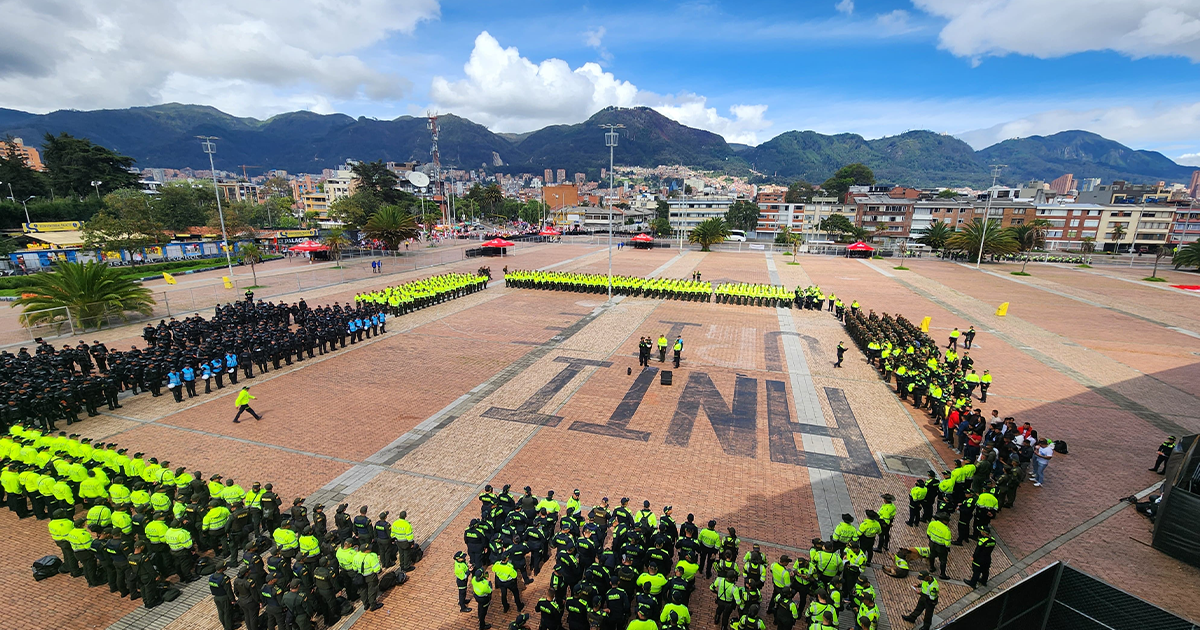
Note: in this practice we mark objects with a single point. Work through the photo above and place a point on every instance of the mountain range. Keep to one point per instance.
(304, 142)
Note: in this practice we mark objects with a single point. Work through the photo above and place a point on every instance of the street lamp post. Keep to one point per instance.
(96, 185)
(987, 211)
(208, 147)
(27, 207)
(610, 141)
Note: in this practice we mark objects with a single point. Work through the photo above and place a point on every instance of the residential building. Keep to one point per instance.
(1142, 227)
(1063, 184)
(820, 208)
(952, 212)
(1087, 184)
(1121, 192)
(1194, 187)
(304, 185)
(32, 158)
(562, 176)
(882, 212)
(241, 191)
(769, 197)
(1186, 225)
(341, 184)
(580, 179)
(779, 218)
(548, 177)
(688, 213)
(560, 196)
(316, 202)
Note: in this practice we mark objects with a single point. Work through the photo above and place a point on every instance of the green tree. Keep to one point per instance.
(15, 172)
(90, 292)
(287, 222)
(936, 235)
(743, 215)
(181, 205)
(336, 241)
(1117, 234)
(74, 163)
(947, 194)
(493, 197)
(375, 178)
(662, 210)
(392, 225)
(276, 186)
(995, 240)
(799, 192)
(661, 226)
(836, 224)
(240, 219)
(709, 232)
(1187, 256)
(850, 175)
(1087, 244)
(355, 210)
(250, 254)
(128, 221)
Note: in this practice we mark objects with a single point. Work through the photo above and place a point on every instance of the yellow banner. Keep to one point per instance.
(228, 282)
(925, 324)
(52, 226)
(296, 233)
(169, 278)
(1003, 310)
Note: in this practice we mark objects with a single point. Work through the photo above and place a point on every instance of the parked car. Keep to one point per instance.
(737, 235)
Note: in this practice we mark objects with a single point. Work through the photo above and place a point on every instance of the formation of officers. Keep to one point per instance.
(694, 290)
(241, 339)
(131, 523)
(419, 294)
(622, 569)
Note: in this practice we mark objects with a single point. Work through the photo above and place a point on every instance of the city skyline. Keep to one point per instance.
(981, 71)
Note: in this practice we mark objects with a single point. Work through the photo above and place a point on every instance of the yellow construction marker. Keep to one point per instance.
(1003, 310)
(228, 282)
(169, 278)
(925, 324)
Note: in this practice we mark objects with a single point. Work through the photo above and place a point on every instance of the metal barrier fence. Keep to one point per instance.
(1060, 597)
(50, 323)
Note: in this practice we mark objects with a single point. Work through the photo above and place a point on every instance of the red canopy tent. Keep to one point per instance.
(643, 238)
(859, 250)
(549, 231)
(498, 242)
(309, 246)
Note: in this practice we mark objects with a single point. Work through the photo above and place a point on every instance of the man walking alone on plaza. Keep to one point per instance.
(243, 404)
(678, 348)
(662, 348)
(841, 352)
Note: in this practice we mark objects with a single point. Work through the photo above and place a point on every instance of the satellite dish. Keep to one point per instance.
(418, 179)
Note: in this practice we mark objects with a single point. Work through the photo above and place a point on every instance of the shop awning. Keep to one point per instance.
(72, 238)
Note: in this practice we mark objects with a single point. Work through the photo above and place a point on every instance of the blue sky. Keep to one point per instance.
(984, 71)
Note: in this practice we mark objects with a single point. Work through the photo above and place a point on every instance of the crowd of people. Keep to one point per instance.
(694, 290)
(418, 294)
(616, 568)
(132, 523)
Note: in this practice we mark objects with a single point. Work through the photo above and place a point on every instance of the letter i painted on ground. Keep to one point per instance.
(619, 420)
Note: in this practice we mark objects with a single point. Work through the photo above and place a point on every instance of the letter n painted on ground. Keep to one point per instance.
(735, 428)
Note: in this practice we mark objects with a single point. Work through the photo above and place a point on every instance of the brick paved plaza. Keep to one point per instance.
(758, 430)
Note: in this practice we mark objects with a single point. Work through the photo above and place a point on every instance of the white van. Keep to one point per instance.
(737, 235)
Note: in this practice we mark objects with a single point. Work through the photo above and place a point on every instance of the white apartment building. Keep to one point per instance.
(689, 212)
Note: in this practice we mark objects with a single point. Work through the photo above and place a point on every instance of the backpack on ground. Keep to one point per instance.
(47, 566)
(1060, 446)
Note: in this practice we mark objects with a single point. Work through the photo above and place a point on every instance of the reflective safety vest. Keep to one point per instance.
(368, 563)
(504, 572)
(402, 530)
(930, 589)
(285, 539)
(939, 533)
(348, 559)
(310, 547)
(216, 519)
(481, 587)
(156, 531)
(60, 528)
(178, 539)
(80, 539)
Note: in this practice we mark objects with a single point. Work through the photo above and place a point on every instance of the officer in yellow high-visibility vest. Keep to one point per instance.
(180, 543)
(60, 528)
(214, 526)
(242, 402)
(482, 589)
(462, 577)
(402, 533)
(940, 538)
(347, 558)
(926, 602)
(369, 567)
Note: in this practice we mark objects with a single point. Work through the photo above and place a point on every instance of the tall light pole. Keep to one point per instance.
(207, 145)
(96, 184)
(610, 141)
(987, 211)
(27, 207)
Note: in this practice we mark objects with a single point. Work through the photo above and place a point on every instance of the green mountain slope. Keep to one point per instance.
(1086, 155)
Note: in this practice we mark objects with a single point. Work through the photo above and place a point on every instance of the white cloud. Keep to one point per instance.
(1190, 159)
(595, 39)
(1045, 29)
(845, 6)
(894, 22)
(1135, 127)
(508, 92)
(252, 57)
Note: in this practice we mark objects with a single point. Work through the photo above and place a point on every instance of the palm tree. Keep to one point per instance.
(391, 225)
(336, 241)
(994, 239)
(251, 255)
(936, 235)
(88, 291)
(1118, 233)
(709, 232)
(1187, 256)
(493, 196)
(1087, 244)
